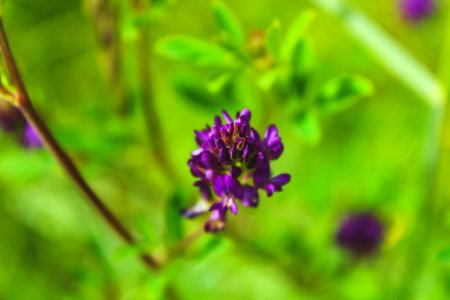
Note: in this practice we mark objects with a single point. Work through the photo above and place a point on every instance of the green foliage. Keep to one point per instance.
(296, 32)
(196, 93)
(173, 221)
(196, 51)
(273, 39)
(302, 66)
(230, 30)
(308, 126)
(56, 247)
(339, 93)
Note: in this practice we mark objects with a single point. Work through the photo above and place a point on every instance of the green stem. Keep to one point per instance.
(437, 172)
(148, 101)
(25, 104)
(105, 20)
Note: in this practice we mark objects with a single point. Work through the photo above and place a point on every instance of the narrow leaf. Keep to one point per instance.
(308, 126)
(296, 32)
(228, 25)
(339, 93)
(301, 66)
(174, 224)
(195, 92)
(219, 82)
(273, 39)
(196, 51)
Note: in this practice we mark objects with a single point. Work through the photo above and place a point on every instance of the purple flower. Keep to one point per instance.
(416, 10)
(361, 234)
(30, 138)
(13, 122)
(11, 118)
(232, 163)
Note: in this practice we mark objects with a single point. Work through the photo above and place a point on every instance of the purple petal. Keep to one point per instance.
(251, 197)
(270, 189)
(11, 117)
(271, 133)
(227, 117)
(30, 138)
(245, 115)
(202, 136)
(416, 10)
(262, 172)
(216, 222)
(276, 183)
(205, 189)
(281, 179)
(233, 207)
(233, 187)
(235, 172)
(199, 208)
(272, 142)
(196, 171)
(233, 152)
(209, 160)
(219, 205)
(224, 157)
(219, 186)
(217, 121)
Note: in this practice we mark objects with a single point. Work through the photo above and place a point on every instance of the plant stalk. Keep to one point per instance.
(25, 104)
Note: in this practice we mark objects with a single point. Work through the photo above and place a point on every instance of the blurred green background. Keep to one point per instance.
(372, 156)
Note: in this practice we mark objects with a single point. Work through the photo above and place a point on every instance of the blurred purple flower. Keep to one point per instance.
(12, 121)
(11, 118)
(416, 10)
(361, 234)
(30, 138)
(231, 164)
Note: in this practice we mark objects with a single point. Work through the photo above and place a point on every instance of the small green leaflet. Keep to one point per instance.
(340, 93)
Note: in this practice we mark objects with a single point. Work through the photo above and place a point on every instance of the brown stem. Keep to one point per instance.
(25, 104)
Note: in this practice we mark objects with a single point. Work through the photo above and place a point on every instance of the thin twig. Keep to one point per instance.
(25, 104)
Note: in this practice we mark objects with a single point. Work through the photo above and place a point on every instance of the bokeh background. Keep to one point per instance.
(371, 157)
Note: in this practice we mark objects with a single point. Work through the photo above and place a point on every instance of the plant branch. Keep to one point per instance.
(25, 104)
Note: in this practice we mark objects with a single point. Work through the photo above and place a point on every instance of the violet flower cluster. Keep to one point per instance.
(13, 122)
(416, 10)
(361, 234)
(231, 165)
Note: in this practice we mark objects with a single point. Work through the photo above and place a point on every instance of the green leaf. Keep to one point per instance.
(296, 32)
(340, 93)
(444, 256)
(209, 246)
(196, 93)
(219, 82)
(174, 224)
(302, 63)
(196, 51)
(389, 53)
(268, 79)
(273, 39)
(228, 25)
(308, 126)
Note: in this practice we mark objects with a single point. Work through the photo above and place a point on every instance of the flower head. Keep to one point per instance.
(231, 165)
(11, 118)
(13, 122)
(361, 234)
(416, 10)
